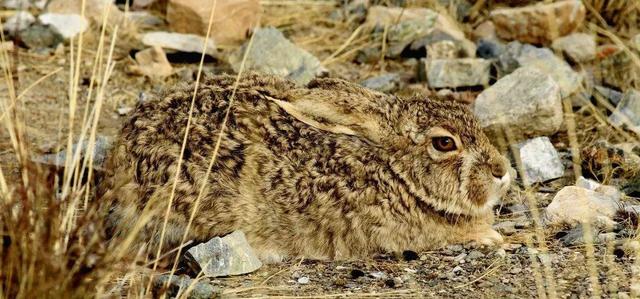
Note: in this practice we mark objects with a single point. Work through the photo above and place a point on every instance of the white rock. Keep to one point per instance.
(16, 4)
(540, 160)
(230, 255)
(574, 205)
(443, 73)
(628, 111)
(592, 185)
(583, 182)
(527, 101)
(68, 25)
(303, 280)
(19, 21)
(179, 42)
(93, 9)
(579, 47)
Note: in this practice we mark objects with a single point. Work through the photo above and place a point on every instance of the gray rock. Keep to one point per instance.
(179, 42)
(474, 255)
(540, 160)
(579, 47)
(145, 19)
(515, 209)
(612, 95)
(405, 32)
(383, 83)
(576, 236)
(303, 280)
(230, 255)
(68, 25)
(437, 37)
(628, 111)
(445, 49)
(544, 60)
(100, 150)
(460, 258)
(17, 22)
(40, 37)
(179, 285)
(508, 59)
(443, 73)
(516, 55)
(526, 101)
(408, 25)
(455, 248)
(272, 53)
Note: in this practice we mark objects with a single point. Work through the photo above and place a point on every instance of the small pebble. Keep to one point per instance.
(122, 111)
(457, 270)
(475, 254)
(303, 280)
(460, 258)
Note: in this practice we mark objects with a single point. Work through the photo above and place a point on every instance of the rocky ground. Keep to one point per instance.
(561, 76)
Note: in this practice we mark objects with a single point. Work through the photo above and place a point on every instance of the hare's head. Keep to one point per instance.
(448, 159)
(436, 147)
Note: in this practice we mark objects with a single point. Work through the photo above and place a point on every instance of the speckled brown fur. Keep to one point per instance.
(330, 170)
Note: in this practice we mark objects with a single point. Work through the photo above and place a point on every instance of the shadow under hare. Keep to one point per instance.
(331, 170)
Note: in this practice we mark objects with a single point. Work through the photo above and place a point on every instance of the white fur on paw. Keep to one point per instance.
(486, 238)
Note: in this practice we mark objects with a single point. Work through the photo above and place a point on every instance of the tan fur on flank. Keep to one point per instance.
(327, 171)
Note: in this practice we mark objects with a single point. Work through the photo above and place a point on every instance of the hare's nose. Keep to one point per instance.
(498, 169)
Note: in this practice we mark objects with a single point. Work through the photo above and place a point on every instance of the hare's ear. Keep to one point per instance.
(342, 108)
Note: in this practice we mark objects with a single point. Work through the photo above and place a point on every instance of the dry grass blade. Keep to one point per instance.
(184, 143)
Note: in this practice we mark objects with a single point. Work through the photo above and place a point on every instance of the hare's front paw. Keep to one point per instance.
(485, 238)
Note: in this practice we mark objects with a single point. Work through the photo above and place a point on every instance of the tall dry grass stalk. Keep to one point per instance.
(50, 246)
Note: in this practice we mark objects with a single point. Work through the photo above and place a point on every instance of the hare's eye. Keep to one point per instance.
(444, 144)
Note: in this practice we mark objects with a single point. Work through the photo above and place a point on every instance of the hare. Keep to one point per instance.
(327, 171)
